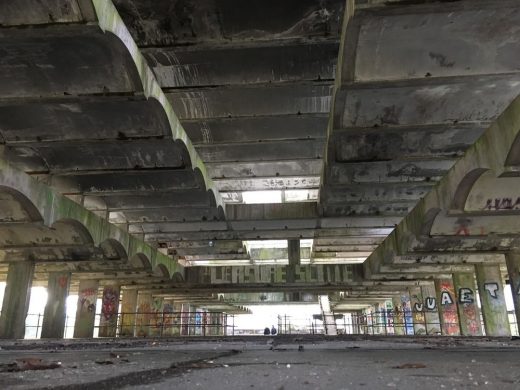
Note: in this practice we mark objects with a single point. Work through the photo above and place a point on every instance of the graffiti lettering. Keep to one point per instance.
(431, 303)
(419, 307)
(465, 295)
(492, 289)
(446, 298)
(502, 204)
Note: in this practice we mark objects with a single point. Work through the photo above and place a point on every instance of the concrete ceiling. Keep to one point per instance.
(161, 128)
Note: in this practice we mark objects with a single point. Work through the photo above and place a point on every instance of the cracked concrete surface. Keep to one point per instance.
(283, 362)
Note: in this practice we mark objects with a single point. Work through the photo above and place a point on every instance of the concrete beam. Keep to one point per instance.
(388, 172)
(251, 100)
(255, 129)
(271, 62)
(237, 21)
(373, 144)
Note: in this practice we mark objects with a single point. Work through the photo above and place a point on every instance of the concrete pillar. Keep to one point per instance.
(356, 323)
(224, 324)
(417, 305)
(168, 317)
(469, 313)
(293, 250)
(407, 313)
(293, 253)
(109, 311)
(16, 300)
(156, 320)
(380, 318)
(144, 314)
(492, 300)
(399, 328)
(513, 269)
(447, 304)
(54, 316)
(128, 309)
(86, 309)
(177, 319)
(431, 310)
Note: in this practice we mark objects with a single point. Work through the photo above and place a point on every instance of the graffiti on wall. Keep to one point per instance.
(492, 289)
(110, 302)
(470, 317)
(448, 309)
(87, 299)
(502, 204)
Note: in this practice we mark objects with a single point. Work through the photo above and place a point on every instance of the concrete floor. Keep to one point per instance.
(280, 362)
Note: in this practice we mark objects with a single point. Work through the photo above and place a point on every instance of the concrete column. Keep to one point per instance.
(431, 310)
(356, 316)
(469, 313)
(381, 318)
(16, 300)
(177, 319)
(54, 316)
(407, 313)
(447, 304)
(513, 269)
(293, 252)
(417, 305)
(128, 309)
(492, 300)
(399, 328)
(144, 314)
(224, 324)
(168, 317)
(156, 320)
(86, 310)
(109, 311)
(293, 249)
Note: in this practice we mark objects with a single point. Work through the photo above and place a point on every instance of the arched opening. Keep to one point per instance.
(464, 188)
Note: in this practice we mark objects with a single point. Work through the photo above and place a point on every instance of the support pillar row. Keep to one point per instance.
(109, 311)
(16, 300)
(86, 309)
(492, 300)
(469, 313)
(128, 309)
(513, 269)
(54, 316)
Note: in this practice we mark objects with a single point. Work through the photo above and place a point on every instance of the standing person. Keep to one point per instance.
(266, 331)
(273, 330)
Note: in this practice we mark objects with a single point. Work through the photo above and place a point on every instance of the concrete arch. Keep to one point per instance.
(513, 157)
(109, 20)
(221, 213)
(16, 207)
(113, 250)
(429, 219)
(464, 188)
(140, 261)
(73, 231)
(177, 277)
(161, 271)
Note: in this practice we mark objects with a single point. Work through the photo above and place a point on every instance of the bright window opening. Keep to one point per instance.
(252, 197)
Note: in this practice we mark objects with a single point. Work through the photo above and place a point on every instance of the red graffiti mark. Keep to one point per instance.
(462, 227)
(87, 298)
(63, 281)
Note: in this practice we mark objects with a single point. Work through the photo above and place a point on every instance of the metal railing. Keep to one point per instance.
(146, 324)
(377, 323)
(170, 324)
